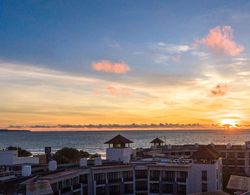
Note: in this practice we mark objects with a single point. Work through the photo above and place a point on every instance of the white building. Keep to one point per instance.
(10, 157)
(146, 176)
(119, 149)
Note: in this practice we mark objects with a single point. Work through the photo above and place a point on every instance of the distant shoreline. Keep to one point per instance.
(122, 129)
(14, 130)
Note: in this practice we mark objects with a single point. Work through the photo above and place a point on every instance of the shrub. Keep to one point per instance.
(69, 155)
(21, 152)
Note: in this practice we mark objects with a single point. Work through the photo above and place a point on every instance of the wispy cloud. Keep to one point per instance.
(220, 40)
(121, 91)
(111, 67)
(220, 90)
(173, 48)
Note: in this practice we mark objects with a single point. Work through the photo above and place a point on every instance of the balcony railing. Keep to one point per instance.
(114, 180)
(128, 178)
(183, 179)
(168, 179)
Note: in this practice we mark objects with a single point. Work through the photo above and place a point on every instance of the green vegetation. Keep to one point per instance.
(21, 152)
(69, 155)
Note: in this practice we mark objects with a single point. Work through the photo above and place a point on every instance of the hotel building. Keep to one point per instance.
(123, 172)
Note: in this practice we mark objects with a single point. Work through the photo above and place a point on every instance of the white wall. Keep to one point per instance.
(119, 154)
(195, 177)
(9, 157)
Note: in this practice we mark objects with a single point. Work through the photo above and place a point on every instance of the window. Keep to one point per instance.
(128, 188)
(100, 178)
(231, 155)
(141, 185)
(241, 162)
(75, 180)
(140, 174)
(154, 175)
(114, 177)
(181, 189)
(154, 188)
(84, 179)
(100, 191)
(168, 176)
(182, 176)
(204, 187)
(114, 190)
(167, 188)
(241, 155)
(128, 176)
(204, 175)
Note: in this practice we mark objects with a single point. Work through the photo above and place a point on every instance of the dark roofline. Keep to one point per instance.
(206, 152)
(119, 139)
(157, 140)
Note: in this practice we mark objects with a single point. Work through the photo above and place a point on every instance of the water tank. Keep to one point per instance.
(126, 159)
(52, 165)
(98, 161)
(247, 143)
(228, 146)
(26, 170)
(83, 162)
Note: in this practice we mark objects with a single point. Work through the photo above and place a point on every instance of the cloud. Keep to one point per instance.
(110, 67)
(121, 91)
(172, 48)
(219, 90)
(220, 41)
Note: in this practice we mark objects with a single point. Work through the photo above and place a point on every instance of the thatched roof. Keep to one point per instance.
(119, 139)
(157, 141)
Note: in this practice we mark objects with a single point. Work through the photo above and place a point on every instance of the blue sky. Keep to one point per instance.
(157, 40)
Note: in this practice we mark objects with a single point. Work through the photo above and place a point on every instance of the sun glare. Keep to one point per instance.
(229, 123)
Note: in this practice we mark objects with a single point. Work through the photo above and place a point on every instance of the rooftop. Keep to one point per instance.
(239, 183)
(119, 139)
(156, 141)
(205, 152)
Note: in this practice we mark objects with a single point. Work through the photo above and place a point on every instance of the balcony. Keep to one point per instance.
(99, 182)
(168, 179)
(182, 179)
(114, 180)
(128, 178)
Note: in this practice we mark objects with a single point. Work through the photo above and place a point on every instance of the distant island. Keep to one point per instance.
(8, 130)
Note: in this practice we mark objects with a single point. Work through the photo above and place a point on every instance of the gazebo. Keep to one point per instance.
(157, 142)
(119, 141)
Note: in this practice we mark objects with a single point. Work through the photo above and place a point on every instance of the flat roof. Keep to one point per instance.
(63, 174)
(239, 183)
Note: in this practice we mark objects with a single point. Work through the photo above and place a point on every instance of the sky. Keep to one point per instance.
(82, 62)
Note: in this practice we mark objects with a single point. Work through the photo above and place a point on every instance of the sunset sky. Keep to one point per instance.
(80, 62)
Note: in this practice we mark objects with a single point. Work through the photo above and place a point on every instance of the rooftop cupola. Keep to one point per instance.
(119, 149)
(119, 142)
(157, 142)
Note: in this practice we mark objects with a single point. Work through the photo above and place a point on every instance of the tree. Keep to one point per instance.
(69, 155)
(21, 152)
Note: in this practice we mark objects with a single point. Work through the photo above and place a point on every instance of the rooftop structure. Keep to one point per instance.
(239, 183)
(205, 153)
(157, 142)
(119, 142)
(10, 157)
(121, 150)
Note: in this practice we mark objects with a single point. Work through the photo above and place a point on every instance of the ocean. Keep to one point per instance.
(93, 141)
